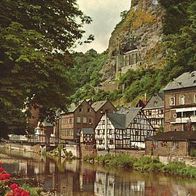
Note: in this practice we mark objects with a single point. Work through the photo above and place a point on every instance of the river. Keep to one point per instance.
(64, 178)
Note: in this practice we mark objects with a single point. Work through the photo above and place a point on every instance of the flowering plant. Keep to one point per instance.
(10, 189)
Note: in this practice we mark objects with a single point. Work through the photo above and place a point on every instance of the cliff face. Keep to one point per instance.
(141, 30)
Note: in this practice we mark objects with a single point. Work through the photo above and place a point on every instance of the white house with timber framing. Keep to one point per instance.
(125, 129)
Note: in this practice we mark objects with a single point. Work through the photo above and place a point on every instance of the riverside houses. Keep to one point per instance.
(154, 111)
(125, 129)
(78, 116)
(179, 138)
(82, 118)
(180, 103)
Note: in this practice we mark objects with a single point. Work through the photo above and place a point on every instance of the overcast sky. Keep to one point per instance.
(105, 15)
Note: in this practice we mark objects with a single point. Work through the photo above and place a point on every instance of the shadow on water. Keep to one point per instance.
(75, 178)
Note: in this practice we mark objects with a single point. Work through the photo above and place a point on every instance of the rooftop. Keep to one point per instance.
(122, 118)
(187, 79)
(156, 101)
(98, 104)
(88, 131)
(174, 136)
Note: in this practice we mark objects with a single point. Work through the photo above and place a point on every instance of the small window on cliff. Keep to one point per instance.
(155, 2)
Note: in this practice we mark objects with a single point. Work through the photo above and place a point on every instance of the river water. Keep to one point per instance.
(65, 178)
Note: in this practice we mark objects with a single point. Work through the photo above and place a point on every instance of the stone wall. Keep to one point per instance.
(88, 150)
(134, 153)
(74, 149)
(169, 148)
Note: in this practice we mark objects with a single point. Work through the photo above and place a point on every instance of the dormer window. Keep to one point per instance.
(182, 100)
(172, 101)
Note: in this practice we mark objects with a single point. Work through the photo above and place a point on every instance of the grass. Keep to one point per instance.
(143, 164)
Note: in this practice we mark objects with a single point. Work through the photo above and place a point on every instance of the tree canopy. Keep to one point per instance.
(35, 37)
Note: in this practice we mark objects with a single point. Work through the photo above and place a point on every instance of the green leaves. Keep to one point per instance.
(34, 60)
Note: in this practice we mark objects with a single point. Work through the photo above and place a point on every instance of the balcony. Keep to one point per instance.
(184, 120)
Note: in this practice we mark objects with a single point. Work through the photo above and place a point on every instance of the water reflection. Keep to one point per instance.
(74, 178)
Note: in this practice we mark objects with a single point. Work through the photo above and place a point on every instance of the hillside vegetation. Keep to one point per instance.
(177, 48)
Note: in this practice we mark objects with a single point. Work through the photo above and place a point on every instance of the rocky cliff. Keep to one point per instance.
(140, 29)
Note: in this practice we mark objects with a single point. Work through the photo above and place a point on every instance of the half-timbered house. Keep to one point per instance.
(154, 111)
(125, 129)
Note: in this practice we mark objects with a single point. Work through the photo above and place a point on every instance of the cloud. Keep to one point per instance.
(105, 15)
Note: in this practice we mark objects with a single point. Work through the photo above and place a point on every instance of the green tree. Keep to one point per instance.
(35, 37)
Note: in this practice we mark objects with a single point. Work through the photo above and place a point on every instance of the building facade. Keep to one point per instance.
(180, 103)
(154, 111)
(83, 116)
(172, 143)
(123, 130)
(78, 117)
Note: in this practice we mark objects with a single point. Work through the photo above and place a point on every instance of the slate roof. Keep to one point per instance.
(187, 79)
(174, 136)
(118, 120)
(132, 113)
(156, 101)
(122, 118)
(46, 124)
(88, 131)
(98, 104)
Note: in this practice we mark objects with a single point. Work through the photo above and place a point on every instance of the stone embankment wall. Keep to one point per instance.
(23, 147)
(187, 160)
(134, 153)
(88, 150)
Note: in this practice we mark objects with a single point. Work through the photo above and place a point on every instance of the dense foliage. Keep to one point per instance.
(34, 40)
(143, 164)
(179, 38)
(86, 74)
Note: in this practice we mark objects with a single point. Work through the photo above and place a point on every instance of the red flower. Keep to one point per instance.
(25, 193)
(4, 176)
(17, 191)
(13, 186)
(1, 169)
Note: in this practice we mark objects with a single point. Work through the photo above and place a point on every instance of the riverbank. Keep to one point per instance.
(142, 164)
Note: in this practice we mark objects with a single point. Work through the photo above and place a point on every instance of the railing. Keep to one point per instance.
(185, 119)
(34, 139)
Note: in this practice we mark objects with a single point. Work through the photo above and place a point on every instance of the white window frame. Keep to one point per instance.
(182, 99)
(171, 103)
(84, 119)
(78, 119)
(194, 98)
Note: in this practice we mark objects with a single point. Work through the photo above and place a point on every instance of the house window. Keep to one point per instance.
(70, 121)
(110, 131)
(182, 100)
(172, 101)
(84, 120)
(194, 100)
(78, 120)
(90, 120)
(80, 109)
(175, 145)
(98, 132)
(100, 142)
(89, 110)
(111, 142)
(160, 111)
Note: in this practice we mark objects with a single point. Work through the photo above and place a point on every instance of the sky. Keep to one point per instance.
(105, 15)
